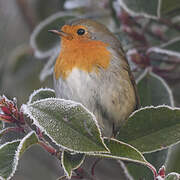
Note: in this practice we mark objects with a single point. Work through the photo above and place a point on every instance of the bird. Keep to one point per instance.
(92, 69)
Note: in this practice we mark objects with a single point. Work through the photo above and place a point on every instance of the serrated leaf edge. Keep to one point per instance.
(64, 168)
(38, 52)
(28, 113)
(133, 13)
(36, 92)
(160, 79)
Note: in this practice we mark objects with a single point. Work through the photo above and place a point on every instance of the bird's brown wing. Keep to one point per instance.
(126, 66)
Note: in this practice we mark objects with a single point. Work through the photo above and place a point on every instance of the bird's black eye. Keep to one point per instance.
(80, 31)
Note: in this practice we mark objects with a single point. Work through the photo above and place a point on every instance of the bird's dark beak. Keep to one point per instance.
(61, 33)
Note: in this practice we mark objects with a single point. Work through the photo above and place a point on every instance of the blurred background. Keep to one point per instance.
(28, 53)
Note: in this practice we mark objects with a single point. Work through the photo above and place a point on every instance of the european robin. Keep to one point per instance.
(92, 69)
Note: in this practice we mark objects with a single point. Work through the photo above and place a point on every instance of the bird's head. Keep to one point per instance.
(84, 45)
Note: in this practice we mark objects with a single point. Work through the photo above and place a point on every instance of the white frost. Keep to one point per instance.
(37, 91)
(133, 13)
(43, 54)
(64, 104)
(161, 80)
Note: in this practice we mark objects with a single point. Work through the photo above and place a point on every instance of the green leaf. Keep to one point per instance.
(10, 153)
(152, 128)
(169, 7)
(141, 7)
(173, 163)
(20, 58)
(172, 47)
(71, 162)
(68, 124)
(152, 9)
(157, 159)
(29, 140)
(42, 41)
(172, 176)
(153, 90)
(122, 151)
(139, 171)
(7, 159)
(42, 93)
(130, 155)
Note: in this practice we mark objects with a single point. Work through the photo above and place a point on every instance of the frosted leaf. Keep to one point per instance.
(41, 93)
(153, 9)
(170, 48)
(42, 41)
(153, 90)
(71, 162)
(152, 128)
(172, 176)
(141, 7)
(64, 122)
(122, 151)
(10, 153)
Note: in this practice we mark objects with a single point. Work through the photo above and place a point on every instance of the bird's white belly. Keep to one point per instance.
(103, 94)
(78, 86)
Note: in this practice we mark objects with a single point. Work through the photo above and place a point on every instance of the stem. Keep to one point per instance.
(48, 148)
(153, 169)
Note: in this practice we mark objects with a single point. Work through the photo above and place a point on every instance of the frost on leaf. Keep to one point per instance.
(153, 9)
(152, 128)
(42, 41)
(122, 151)
(141, 7)
(71, 162)
(42, 93)
(170, 48)
(68, 124)
(172, 176)
(153, 90)
(11, 152)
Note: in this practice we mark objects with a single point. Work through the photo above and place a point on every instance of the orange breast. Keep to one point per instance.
(82, 54)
